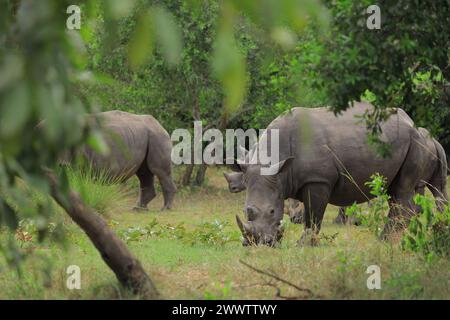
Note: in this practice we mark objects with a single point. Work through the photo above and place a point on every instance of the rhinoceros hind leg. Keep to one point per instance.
(315, 197)
(402, 190)
(146, 190)
(169, 190)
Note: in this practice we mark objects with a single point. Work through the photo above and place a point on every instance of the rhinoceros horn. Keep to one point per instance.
(244, 227)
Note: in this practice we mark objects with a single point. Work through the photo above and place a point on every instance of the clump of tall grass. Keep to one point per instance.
(100, 190)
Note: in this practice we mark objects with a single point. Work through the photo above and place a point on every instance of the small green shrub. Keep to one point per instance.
(408, 284)
(207, 233)
(376, 217)
(221, 291)
(429, 232)
(211, 233)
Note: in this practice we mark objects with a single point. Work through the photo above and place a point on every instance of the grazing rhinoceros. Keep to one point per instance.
(327, 159)
(139, 146)
(293, 208)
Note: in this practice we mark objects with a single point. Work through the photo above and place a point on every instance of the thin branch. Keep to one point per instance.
(278, 278)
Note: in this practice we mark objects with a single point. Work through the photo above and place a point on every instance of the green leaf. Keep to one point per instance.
(8, 215)
(140, 47)
(168, 35)
(14, 111)
(230, 68)
(96, 141)
(119, 8)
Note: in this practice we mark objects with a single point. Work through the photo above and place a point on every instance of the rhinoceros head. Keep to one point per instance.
(264, 204)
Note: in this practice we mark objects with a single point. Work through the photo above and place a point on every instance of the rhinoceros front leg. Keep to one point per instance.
(315, 199)
(401, 209)
(146, 190)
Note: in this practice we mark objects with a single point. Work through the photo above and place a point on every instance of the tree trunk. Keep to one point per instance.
(201, 173)
(114, 252)
(186, 179)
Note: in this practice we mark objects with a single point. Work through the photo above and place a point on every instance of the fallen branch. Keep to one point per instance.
(308, 292)
(114, 252)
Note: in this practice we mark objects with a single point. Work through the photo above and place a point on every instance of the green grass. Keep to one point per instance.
(185, 265)
(103, 193)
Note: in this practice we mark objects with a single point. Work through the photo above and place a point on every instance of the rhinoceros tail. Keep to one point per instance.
(439, 178)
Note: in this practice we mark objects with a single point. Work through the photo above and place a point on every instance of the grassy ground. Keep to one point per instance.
(190, 257)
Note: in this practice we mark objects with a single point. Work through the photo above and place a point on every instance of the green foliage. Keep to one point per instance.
(376, 217)
(221, 291)
(404, 64)
(227, 59)
(41, 116)
(429, 232)
(29, 232)
(207, 233)
(211, 233)
(35, 68)
(407, 284)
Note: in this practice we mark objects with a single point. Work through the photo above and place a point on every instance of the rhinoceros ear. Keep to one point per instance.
(235, 165)
(277, 167)
(233, 177)
(235, 183)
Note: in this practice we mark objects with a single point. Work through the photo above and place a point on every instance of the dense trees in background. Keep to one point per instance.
(403, 64)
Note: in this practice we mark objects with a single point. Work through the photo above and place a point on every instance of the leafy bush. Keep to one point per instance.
(32, 231)
(211, 233)
(429, 232)
(208, 233)
(376, 218)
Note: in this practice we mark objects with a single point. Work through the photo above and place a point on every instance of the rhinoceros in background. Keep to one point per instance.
(327, 159)
(342, 218)
(139, 146)
(293, 208)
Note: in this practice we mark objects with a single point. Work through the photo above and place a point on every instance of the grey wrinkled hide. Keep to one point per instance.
(327, 159)
(293, 208)
(139, 146)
